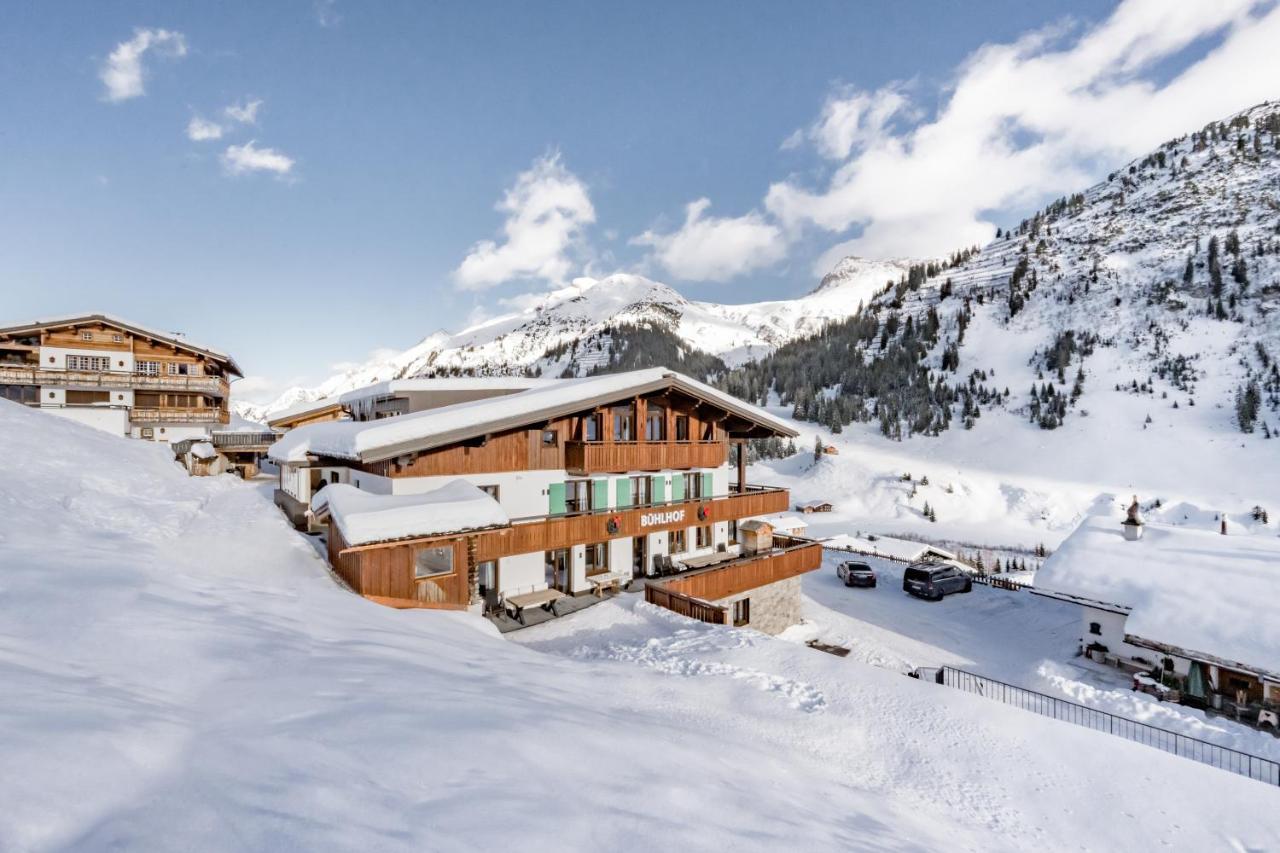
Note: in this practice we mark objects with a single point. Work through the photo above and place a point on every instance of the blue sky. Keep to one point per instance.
(343, 198)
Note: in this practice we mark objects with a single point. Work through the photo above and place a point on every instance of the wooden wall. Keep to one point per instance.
(387, 574)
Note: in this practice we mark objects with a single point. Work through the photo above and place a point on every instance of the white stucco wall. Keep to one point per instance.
(521, 573)
(114, 421)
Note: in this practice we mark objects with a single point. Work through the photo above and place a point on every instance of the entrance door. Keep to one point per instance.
(639, 556)
(558, 569)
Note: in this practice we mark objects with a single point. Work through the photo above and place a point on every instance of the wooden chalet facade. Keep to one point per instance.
(603, 478)
(117, 376)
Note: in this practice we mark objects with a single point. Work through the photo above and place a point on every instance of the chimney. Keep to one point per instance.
(1223, 529)
(1132, 524)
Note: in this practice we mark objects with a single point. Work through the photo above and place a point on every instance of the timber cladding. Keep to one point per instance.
(750, 573)
(386, 574)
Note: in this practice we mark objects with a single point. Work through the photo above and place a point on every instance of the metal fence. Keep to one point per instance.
(1224, 758)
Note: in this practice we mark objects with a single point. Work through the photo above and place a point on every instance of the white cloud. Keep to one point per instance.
(327, 13)
(546, 212)
(246, 113)
(122, 73)
(201, 130)
(711, 248)
(1020, 123)
(242, 159)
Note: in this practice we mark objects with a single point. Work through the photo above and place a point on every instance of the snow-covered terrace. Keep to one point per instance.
(364, 518)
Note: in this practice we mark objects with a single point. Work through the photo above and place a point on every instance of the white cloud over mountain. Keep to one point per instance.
(546, 211)
(711, 248)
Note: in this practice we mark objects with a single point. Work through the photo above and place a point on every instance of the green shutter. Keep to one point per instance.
(659, 489)
(677, 487)
(706, 484)
(624, 492)
(601, 499)
(555, 499)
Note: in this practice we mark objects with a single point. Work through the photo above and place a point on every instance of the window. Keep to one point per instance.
(148, 432)
(1095, 628)
(548, 438)
(733, 530)
(20, 393)
(623, 424)
(87, 398)
(741, 612)
(682, 427)
(86, 336)
(433, 562)
(577, 495)
(95, 363)
(117, 338)
(182, 368)
(702, 537)
(147, 368)
(640, 494)
(488, 575)
(591, 428)
(655, 424)
(694, 487)
(146, 399)
(491, 491)
(597, 558)
(679, 541)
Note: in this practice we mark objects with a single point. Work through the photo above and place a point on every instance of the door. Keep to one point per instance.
(558, 569)
(639, 556)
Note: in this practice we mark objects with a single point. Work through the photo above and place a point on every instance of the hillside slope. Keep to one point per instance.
(181, 672)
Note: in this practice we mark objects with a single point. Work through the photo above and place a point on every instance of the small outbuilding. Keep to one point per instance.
(814, 506)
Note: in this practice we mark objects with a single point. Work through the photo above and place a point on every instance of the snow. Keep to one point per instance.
(1187, 585)
(364, 517)
(177, 337)
(903, 550)
(181, 672)
(354, 439)
(781, 520)
(203, 450)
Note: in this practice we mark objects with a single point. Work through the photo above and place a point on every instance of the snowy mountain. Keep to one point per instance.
(572, 330)
(1158, 284)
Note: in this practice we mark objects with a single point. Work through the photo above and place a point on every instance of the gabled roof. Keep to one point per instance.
(124, 325)
(391, 387)
(371, 441)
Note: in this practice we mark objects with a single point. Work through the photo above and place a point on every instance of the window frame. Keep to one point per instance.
(741, 612)
(419, 575)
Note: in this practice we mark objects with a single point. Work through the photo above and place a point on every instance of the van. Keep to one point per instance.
(934, 581)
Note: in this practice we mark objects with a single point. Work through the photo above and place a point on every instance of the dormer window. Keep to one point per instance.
(86, 336)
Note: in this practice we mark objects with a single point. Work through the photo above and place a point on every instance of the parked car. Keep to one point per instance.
(934, 581)
(856, 573)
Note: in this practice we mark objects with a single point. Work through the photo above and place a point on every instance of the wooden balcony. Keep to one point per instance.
(14, 375)
(737, 576)
(617, 457)
(185, 416)
(545, 533)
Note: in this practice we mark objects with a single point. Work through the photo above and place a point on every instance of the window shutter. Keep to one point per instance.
(624, 492)
(706, 485)
(555, 499)
(601, 498)
(659, 489)
(677, 487)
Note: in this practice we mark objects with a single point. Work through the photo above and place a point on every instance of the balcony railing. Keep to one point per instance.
(748, 572)
(192, 416)
(589, 457)
(549, 532)
(12, 375)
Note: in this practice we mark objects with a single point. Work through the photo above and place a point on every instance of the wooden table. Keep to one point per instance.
(709, 559)
(605, 579)
(542, 598)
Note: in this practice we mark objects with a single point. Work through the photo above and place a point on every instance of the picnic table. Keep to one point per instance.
(545, 598)
(606, 580)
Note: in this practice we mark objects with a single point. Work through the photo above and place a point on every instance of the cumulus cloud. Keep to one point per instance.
(711, 248)
(202, 130)
(123, 72)
(246, 158)
(1022, 122)
(546, 211)
(245, 113)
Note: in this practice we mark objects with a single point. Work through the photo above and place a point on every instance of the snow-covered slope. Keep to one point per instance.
(584, 313)
(180, 672)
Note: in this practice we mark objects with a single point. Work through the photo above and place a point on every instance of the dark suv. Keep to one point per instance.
(934, 580)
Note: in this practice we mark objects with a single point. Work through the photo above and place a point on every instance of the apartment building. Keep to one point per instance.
(117, 376)
(556, 489)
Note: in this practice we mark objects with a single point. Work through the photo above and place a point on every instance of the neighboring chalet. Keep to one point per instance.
(814, 506)
(117, 376)
(563, 487)
(1175, 598)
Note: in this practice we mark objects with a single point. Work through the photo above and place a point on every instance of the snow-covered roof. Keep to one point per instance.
(814, 503)
(364, 517)
(168, 337)
(905, 550)
(382, 439)
(782, 520)
(203, 450)
(390, 387)
(1186, 584)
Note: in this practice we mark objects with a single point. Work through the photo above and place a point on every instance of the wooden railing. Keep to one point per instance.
(215, 385)
(243, 439)
(589, 457)
(685, 605)
(736, 576)
(195, 416)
